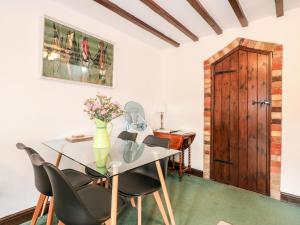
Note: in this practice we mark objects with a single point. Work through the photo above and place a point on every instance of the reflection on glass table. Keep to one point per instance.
(122, 156)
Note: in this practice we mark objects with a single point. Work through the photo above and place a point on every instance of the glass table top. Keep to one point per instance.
(122, 155)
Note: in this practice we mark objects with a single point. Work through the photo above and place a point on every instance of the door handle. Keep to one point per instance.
(261, 102)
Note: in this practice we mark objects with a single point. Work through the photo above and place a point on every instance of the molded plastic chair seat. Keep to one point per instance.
(42, 182)
(92, 196)
(76, 178)
(89, 205)
(145, 180)
(134, 184)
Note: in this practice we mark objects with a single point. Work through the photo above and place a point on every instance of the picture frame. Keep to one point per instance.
(74, 55)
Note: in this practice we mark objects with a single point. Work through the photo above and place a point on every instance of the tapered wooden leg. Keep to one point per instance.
(50, 212)
(139, 209)
(38, 209)
(161, 207)
(165, 192)
(60, 223)
(114, 200)
(107, 222)
(132, 202)
(44, 205)
(106, 183)
(58, 159)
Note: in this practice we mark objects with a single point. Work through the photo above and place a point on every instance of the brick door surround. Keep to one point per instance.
(276, 106)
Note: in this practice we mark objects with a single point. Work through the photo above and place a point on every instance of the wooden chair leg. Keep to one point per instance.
(165, 192)
(139, 208)
(107, 183)
(44, 205)
(114, 200)
(161, 207)
(60, 223)
(50, 212)
(132, 202)
(38, 209)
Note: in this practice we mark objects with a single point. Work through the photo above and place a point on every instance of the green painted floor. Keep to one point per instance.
(201, 202)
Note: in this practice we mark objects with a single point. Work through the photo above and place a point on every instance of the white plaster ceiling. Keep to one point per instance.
(220, 10)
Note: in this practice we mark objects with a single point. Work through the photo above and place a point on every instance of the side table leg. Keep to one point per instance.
(189, 166)
(180, 166)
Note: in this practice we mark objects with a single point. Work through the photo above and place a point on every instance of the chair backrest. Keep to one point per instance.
(151, 140)
(125, 135)
(150, 169)
(69, 208)
(41, 179)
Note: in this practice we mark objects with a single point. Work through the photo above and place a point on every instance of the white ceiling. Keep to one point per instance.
(220, 10)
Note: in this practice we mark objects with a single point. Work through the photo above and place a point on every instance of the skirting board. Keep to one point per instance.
(20, 217)
(197, 173)
(290, 198)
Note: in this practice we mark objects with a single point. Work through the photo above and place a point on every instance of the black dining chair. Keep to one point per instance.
(89, 205)
(130, 136)
(124, 135)
(145, 180)
(42, 183)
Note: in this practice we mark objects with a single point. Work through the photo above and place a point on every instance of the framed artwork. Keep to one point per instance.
(74, 55)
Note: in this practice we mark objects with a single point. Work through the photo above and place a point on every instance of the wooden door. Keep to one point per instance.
(240, 120)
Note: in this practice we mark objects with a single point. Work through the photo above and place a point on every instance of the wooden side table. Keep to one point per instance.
(179, 141)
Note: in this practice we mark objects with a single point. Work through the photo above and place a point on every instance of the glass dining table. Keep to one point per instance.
(120, 157)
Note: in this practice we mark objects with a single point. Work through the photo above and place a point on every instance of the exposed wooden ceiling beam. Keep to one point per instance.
(236, 6)
(163, 13)
(126, 15)
(279, 8)
(205, 15)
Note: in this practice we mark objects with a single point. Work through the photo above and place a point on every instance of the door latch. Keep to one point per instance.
(262, 102)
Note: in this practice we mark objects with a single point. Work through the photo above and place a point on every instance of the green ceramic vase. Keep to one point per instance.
(101, 145)
(101, 138)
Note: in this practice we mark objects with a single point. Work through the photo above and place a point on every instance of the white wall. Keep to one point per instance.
(34, 109)
(183, 77)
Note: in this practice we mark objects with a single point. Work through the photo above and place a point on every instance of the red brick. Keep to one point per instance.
(276, 151)
(275, 164)
(276, 127)
(277, 84)
(276, 91)
(275, 170)
(278, 48)
(207, 114)
(276, 140)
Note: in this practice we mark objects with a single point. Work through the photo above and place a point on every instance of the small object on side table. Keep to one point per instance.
(179, 140)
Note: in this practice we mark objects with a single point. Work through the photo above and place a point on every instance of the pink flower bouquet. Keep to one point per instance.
(102, 108)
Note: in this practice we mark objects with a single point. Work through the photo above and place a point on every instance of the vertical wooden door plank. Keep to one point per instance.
(217, 170)
(252, 120)
(225, 125)
(234, 123)
(262, 130)
(243, 114)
